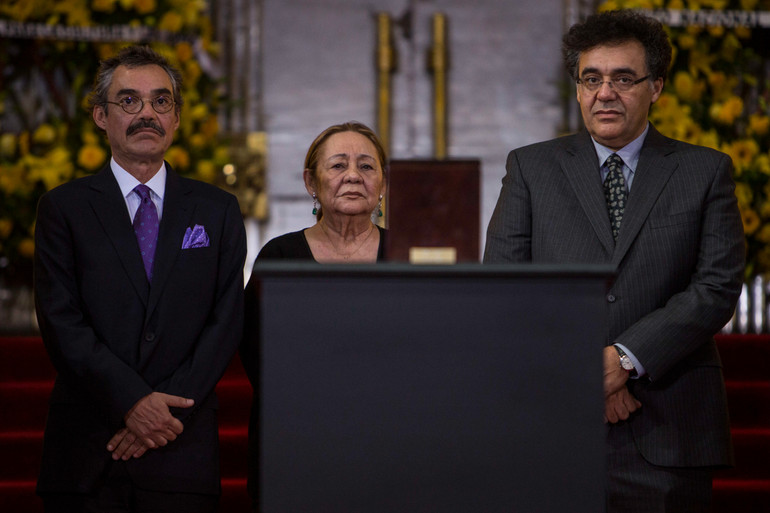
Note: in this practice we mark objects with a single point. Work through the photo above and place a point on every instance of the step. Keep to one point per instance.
(25, 359)
(748, 403)
(745, 357)
(19, 497)
(29, 402)
(752, 454)
(732, 496)
(729, 497)
(25, 449)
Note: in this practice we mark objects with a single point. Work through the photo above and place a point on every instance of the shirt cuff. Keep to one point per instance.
(637, 364)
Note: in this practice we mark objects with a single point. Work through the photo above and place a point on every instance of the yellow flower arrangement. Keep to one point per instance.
(716, 97)
(38, 154)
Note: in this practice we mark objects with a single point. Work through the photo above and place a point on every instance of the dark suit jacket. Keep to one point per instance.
(679, 260)
(114, 338)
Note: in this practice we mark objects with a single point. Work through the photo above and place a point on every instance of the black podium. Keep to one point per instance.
(398, 388)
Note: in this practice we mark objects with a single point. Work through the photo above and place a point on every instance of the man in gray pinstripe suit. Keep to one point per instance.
(678, 255)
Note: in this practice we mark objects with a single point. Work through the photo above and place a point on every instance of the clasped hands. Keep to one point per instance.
(619, 404)
(149, 425)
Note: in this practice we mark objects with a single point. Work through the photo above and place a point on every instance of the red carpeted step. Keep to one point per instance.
(26, 379)
(18, 496)
(745, 357)
(235, 498)
(752, 454)
(21, 452)
(24, 359)
(741, 496)
(749, 403)
(25, 403)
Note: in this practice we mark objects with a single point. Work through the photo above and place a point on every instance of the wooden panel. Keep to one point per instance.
(433, 204)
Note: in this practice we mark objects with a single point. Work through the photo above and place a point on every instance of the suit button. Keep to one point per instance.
(149, 337)
(611, 298)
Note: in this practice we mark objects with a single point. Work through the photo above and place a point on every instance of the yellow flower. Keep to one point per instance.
(750, 220)
(27, 247)
(762, 163)
(764, 209)
(107, 6)
(91, 157)
(690, 131)
(89, 137)
(210, 127)
(742, 32)
(6, 225)
(748, 5)
(178, 157)
(744, 194)
(686, 41)
(44, 134)
(23, 142)
(207, 171)
(184, 51)
(199, 112)
(716, 31)
(609, 5)
(701, 60)
(763, 234)
(759, 123)
(727, 112)
(7, 145)
(709, 139)
(742, 152)
(730, 46)
(171, 21)
(687, 88)
(197, 141)
(144, 6)
(722, 86)
(192, 71)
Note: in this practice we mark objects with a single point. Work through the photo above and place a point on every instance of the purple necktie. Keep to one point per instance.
(146, 227)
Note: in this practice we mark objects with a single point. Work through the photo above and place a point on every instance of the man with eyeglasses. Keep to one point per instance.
(139, 295)
(664, 214)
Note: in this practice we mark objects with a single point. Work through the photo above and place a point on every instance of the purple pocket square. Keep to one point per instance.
(195, 237)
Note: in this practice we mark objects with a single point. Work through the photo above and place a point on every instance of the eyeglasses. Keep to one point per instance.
(621, 84)
(134, 104)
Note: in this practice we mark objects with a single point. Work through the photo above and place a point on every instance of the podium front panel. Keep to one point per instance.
(463, 389)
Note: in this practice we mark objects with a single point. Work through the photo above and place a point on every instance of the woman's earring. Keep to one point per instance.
(315, 204)
(379, 207)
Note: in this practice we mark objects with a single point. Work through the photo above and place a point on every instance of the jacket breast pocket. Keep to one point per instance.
(691, 218)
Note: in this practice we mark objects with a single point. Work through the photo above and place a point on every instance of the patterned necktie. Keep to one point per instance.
(615, 192)
(146, 227)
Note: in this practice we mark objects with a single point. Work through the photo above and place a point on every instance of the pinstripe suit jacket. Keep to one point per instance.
(679, 261)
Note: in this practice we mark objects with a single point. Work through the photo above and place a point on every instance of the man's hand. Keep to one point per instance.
(620, 405)
(151, 421)
(125, 444)
(615, 376)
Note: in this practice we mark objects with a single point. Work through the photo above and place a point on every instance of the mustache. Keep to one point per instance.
(145, 123)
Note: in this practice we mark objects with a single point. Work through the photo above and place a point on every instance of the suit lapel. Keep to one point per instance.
(581, 167)
(652, 173)
(109, 206)
(177, 211)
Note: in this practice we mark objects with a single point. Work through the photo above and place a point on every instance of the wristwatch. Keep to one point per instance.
(625, 361)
